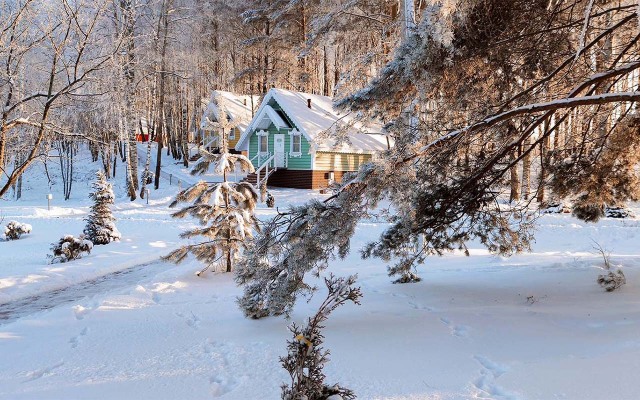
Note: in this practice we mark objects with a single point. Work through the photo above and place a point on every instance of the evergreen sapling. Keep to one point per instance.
(100, 228)
(224, 210)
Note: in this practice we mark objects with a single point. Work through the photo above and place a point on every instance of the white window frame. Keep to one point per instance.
(263, 135)
(293, 134)
(232, 134)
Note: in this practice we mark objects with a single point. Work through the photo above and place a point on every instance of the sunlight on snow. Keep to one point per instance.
(9, 335)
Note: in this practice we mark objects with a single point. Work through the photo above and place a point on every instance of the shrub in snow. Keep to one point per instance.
(14, 230)
(617, 212)
(271, 201)
(306, 357)
(612, 280)
(614, 277)
(588, 211)
(100, 228)
(70, 248)
(555, 208)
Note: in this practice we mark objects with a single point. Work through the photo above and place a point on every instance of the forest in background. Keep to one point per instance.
(532, 100)
(98, 72)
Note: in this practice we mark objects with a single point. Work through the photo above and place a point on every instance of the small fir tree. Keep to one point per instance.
(100, 228)
(306, 358)
(225, 210)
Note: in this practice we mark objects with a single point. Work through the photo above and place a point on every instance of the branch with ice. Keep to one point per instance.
(306, 358)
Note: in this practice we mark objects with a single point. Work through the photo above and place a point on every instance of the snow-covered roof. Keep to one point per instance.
(237, 108)
(318, 120)
(266, 116)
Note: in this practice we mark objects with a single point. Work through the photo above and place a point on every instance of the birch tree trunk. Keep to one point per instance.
(163, 27)
(129, 117)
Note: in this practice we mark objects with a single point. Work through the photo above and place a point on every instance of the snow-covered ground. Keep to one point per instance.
(534, 326)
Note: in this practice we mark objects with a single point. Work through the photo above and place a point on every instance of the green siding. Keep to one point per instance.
(297, 163)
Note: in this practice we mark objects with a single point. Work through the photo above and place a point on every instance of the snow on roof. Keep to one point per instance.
(320, 119)
(237, 107)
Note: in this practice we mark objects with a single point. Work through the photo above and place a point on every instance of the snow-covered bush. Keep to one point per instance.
(306, 357)
(613, 278)
(100, 228)
(70, 248)
(555, 208)
(15, 229)
(617, 212)
(271, 201)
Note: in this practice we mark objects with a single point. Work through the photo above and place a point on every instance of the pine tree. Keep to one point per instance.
(100, 228)
(465, 99)
(225, 210)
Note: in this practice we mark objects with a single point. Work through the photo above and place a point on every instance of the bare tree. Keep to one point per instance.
(45, 66)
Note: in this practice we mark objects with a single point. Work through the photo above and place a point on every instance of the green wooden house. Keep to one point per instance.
(290, 144)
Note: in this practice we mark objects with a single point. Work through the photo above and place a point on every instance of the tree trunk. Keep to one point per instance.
(544, 150)
(130, 119)
(515, 179)
(163, 65)
(526, 171)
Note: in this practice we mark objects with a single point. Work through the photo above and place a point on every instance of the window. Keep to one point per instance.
(296, 143)
(232, 134)
(263, 144)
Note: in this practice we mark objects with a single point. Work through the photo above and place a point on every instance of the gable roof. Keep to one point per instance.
(237, 108)
(267, 115)
(318, 120)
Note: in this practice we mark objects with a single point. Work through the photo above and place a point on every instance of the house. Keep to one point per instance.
(142, 130)
(289, 141)
(239, 111)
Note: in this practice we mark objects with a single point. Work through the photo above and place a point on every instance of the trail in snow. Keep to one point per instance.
(15, 310)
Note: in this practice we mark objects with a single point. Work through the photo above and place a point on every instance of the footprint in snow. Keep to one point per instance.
(417, 306)
(43, 372)
(75, 341)
(192, 320)
(221, 382)
(456, 330)
(221, 385)
(485, 384)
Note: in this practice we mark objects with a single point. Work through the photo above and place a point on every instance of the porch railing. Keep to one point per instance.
(265, 170)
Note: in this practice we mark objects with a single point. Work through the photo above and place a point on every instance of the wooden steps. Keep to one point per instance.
(252, 178)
